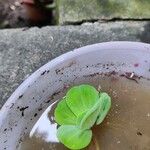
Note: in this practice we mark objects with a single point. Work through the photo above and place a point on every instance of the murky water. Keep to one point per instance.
(127, 126)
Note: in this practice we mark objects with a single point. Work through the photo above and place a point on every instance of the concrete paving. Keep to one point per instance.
(22, 51)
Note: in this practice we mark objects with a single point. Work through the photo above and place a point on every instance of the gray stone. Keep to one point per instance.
(22, 52)
(76, 11)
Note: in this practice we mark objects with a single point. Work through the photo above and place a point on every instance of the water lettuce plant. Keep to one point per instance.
(81, 108)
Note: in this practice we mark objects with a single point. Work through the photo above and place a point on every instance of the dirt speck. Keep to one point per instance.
(5, 141)
(20, 96)
(22, 109)
(5, 129)
(48, 101)
(139, 133)
(57, 71)
(39, 109)
(35, 114)
(131, 76)
(11, 105)
(136, 65)
(43, 73)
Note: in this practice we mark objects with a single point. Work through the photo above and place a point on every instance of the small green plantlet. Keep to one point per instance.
(81, 108)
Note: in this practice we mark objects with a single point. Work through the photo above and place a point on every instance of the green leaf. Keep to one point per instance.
(73, 137)
(63, 115)
(81, 98)
(104, 108)
(81, 108)
(88, 119)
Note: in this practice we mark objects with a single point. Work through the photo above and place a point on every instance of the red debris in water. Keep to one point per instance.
(136, 65)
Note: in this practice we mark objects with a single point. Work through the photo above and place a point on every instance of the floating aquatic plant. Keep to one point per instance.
(81, 108)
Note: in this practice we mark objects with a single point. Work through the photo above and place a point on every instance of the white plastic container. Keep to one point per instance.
(48, 83)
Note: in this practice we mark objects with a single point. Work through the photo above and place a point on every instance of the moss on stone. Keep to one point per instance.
(72, 11)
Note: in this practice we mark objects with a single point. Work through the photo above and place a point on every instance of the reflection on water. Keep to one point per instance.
(44, 128)
(43, 134)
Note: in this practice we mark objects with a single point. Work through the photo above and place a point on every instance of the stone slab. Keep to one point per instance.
(76, 11)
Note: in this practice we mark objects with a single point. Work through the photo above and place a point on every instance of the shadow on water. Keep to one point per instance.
(145, 35)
